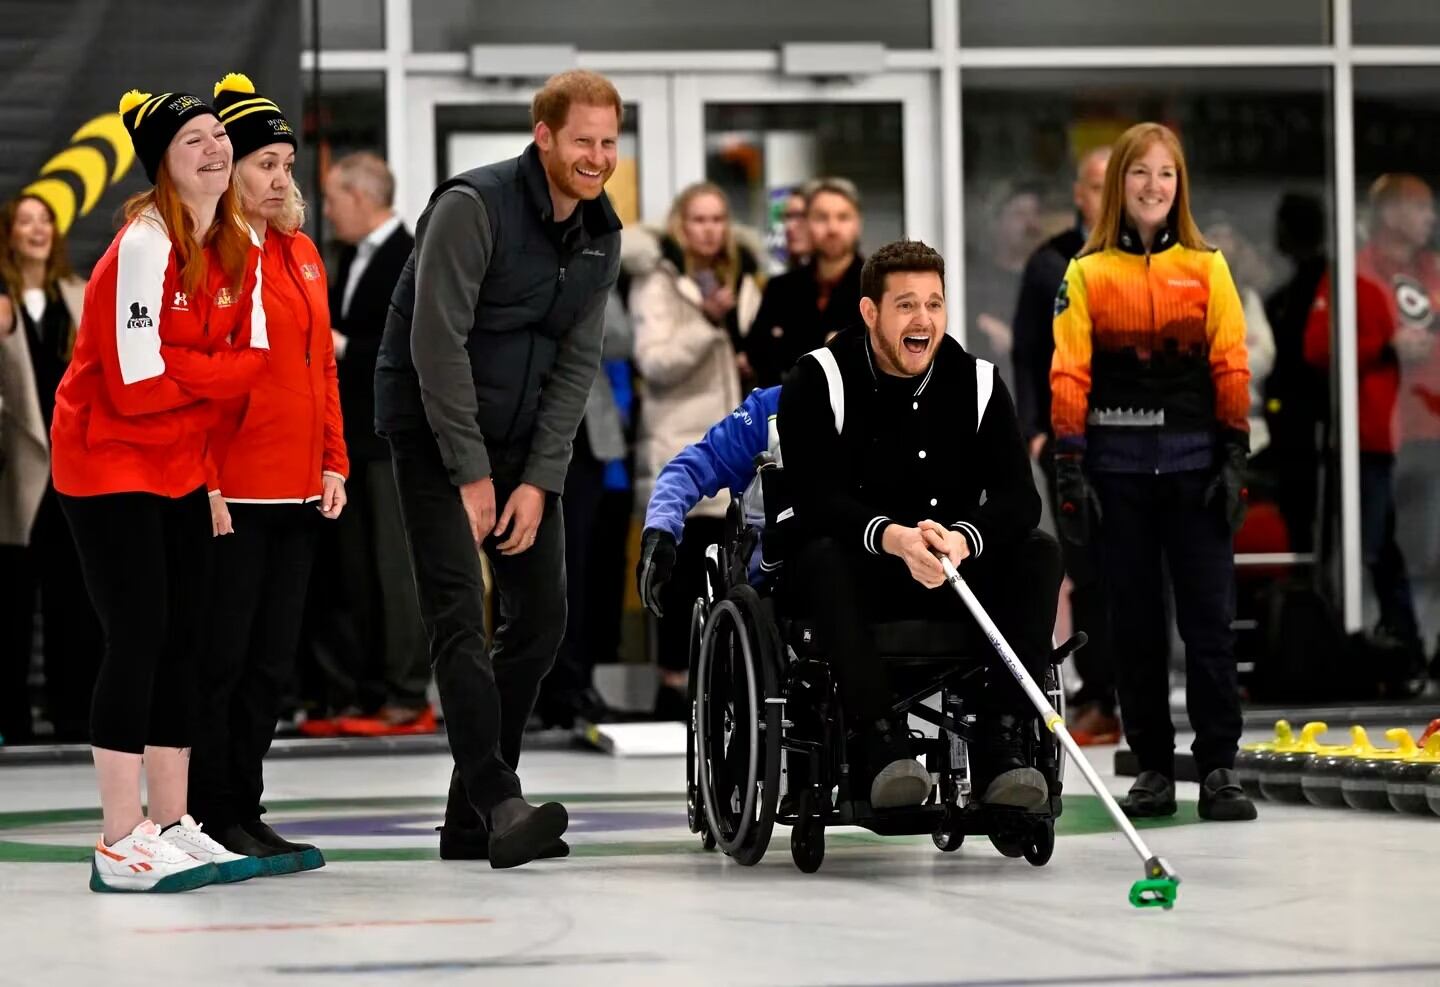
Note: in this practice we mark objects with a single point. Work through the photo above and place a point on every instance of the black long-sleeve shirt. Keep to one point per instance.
(1034, 328)
(907, 450)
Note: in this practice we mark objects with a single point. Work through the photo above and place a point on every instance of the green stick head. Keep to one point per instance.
(1154, 892)
(1158, 888)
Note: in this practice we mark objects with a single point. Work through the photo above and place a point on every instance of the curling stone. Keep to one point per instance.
(1430, 731)
(1361, 782)
(1248, 757)
(1320, 776)
(1432, 791)
(1280, 769)
(1405, 780)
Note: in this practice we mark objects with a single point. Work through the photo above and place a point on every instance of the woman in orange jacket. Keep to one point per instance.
(172, 325)
(1150, 409)
(283, 462)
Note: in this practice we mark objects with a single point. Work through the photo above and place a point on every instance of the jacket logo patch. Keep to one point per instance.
(592, 252)
(1413, 301)
(180, 302)
(139, 317)
(1062, 296)
(223, 298)
(311, 272)
(1184, 283)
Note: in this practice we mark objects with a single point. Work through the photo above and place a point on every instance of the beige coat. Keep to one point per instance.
(24, 442)
(688, 377)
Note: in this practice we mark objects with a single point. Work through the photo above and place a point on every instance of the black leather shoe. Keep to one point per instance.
(464, 843)
(305, 856)
(521, 832)
(1223, 800)
(1152, 796)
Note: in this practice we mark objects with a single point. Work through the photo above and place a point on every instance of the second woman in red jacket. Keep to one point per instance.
(279, 474)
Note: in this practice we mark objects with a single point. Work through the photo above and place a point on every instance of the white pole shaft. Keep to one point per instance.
(1053, 720)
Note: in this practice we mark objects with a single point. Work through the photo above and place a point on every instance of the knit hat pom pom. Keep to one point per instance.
(131, 100)
(235, 82)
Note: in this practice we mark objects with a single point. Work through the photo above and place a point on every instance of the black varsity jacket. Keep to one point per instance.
(881, 450)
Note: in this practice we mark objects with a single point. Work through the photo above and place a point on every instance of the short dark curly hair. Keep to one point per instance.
(898, 257)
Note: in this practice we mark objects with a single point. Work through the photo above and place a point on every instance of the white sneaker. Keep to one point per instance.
(186, 837)
(143, 861)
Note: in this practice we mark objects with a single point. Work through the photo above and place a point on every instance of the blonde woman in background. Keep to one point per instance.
(695, 293)
(41, 301)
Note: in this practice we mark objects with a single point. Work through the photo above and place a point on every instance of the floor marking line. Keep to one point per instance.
(303, 926)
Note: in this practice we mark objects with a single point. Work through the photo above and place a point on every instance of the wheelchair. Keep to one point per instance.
(768, 740)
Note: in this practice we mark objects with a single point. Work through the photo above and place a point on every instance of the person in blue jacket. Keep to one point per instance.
(724, 458)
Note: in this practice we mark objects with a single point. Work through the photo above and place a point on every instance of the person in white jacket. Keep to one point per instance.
(1248, 269)
(696, 291)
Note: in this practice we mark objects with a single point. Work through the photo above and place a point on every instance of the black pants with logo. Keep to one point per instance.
(1149, 520)
(488, 683)
(145, 559)
(261, 574)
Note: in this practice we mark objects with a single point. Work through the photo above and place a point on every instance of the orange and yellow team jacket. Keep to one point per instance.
(1150, 364)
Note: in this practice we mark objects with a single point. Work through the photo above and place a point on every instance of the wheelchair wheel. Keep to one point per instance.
(947, 842)
(693, 813)
(807, 836)
(737, 726)
(1042, 845)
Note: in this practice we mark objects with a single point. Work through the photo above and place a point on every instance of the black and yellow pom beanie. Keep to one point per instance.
(153, 122)
(251, 120)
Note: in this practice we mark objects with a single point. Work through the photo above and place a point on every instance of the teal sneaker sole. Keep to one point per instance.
(235, 871)
(292, 863)
(186, 880)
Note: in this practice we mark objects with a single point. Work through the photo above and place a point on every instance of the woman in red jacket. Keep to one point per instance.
(172, 324)
(284, 460)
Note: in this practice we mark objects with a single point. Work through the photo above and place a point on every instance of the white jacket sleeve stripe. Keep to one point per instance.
(836, 384)
(259, 335)
(984, 387)
(139, 294)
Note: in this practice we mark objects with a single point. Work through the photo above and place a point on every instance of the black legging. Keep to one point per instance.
(146, 561)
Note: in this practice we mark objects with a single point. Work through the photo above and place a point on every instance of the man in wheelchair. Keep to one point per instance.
(901, 447)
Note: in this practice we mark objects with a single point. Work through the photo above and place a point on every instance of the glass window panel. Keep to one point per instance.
(756, 151)
(348, 115)
(1397, 167)
(345, 25)
(1064, 23)
(1259, 147)
(1395, 22)
(659, 25)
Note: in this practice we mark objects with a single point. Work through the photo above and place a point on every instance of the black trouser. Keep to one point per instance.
(70, 632)
(687, 581)
(584, 486)
(1089, 612)
(845, 590)
(1380, 549)
(487, 690)
(1150, 520)
(261, 573)
(145, 560)
(369, 641)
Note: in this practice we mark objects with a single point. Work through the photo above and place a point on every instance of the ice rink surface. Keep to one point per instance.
(1303, 896)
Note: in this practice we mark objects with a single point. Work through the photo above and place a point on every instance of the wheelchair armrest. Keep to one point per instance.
(1077, 641)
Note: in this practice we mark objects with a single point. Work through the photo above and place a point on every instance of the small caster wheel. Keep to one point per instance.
(807, 836)
(707, 839)
(1042, 844)
(947, 842)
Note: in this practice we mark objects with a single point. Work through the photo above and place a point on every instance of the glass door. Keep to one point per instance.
(758, 136)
